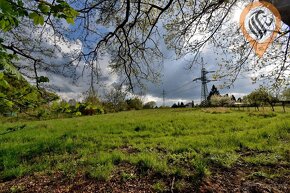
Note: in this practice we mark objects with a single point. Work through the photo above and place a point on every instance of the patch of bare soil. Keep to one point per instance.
(244, 178)
(128, 178)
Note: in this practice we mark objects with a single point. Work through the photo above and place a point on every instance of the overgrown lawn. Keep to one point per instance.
(185, 143)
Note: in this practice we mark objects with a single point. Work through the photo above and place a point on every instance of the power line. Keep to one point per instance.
(180, 87)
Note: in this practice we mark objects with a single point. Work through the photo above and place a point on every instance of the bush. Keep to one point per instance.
(134, 103)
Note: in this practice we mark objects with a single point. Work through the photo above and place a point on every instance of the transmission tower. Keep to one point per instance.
(163, 95)
(204, 81)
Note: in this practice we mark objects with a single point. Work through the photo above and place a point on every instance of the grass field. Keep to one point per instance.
(168, 150)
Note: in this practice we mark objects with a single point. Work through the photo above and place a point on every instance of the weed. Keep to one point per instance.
(160, 187)
(17, 188)
(144, 165)
(224, 159)
(100, 172)
(127, 176)
(262, 174)
(117, 157)
(264, 159)
(181, 185)
(201, 168)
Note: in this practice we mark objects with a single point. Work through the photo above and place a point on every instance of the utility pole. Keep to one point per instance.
(204, 81)
(163, 95)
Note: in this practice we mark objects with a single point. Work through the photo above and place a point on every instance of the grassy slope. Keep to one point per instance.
(169, 142)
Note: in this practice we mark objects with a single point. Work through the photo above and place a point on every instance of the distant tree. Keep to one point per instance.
(233, 98)
(149, 105)
(182, 104)
(134, 103)
(261, 97)
(115, 100)
(92, 105)
(92, 98)
(213, 91)
(174, 105)
(220, 101)
(239, 100)
(286, 94)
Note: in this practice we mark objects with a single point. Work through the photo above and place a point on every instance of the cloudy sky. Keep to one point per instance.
(176, 80)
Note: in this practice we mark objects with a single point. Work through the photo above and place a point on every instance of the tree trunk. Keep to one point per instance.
(272, 106)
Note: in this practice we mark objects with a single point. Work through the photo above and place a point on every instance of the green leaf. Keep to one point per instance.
(5, 6)
(44, 8)
(42, 79)
(7, 22)
(70, 20)
(9, 103)
(37, 19)
(4, 83)
(10, 69)
(20, 3)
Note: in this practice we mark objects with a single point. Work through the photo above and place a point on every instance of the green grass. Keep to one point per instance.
(180, 142)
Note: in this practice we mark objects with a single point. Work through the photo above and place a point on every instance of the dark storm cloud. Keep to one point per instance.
(178, 85)
(176, 79)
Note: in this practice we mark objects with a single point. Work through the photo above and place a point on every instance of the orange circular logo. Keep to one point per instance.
(260, 23)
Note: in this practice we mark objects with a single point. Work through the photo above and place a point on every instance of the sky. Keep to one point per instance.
(176, 80)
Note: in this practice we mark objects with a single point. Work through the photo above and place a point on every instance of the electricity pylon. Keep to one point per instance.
(163, 96)
(204, 81)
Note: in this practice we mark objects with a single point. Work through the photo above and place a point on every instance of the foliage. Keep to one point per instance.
(115, 100)
(90, 106)
(160, 187)
(92, 99)
(12, 12)
(261, 97)
(213, 91)
(220, 101)
(134, 103)
(17, 95)
(149, 105)
(286, 94)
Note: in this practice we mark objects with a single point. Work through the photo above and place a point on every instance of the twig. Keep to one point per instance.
(172, 185)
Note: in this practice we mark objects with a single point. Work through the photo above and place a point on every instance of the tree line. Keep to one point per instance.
(258, 98)
(19, 98)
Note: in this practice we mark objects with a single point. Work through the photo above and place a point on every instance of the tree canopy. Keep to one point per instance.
(261, 97)
(131, 33)
(286, 94)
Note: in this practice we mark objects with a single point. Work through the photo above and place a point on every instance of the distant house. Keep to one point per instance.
(189, 105)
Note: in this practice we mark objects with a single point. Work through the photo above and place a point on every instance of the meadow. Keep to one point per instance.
(169, 150)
